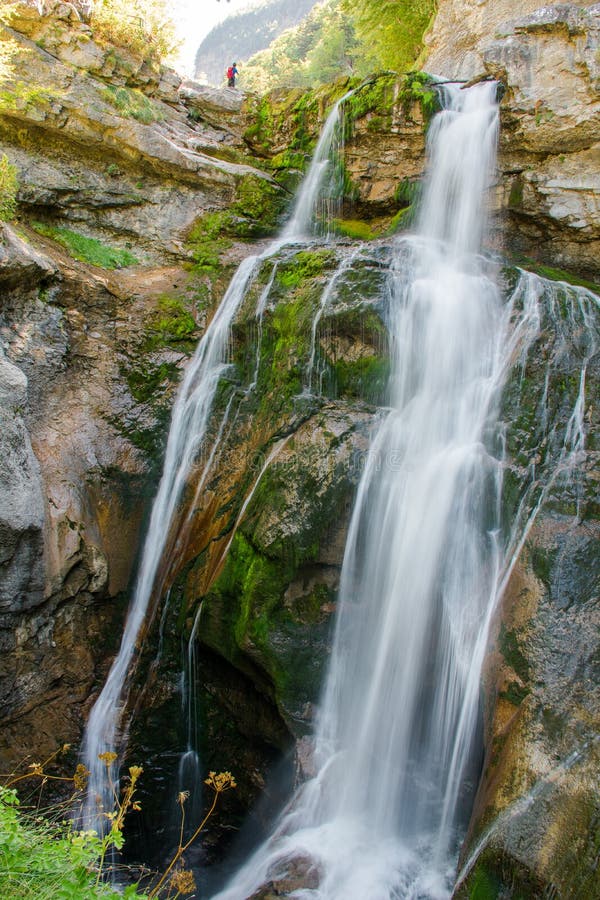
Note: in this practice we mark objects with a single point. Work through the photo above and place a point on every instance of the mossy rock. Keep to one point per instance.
(171, 325)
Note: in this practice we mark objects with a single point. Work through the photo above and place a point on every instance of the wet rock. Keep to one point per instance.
(74, 478)
(535, 824)
(21, 503)
(301, 873)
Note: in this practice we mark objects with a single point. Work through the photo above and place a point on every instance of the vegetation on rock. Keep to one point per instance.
(132, 103)
(9, 185)
(143, 26)
(87, 249)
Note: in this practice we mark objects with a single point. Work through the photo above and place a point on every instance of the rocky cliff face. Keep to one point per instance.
(262, 544)
(535, 823)
(547, 58)
(105, 288)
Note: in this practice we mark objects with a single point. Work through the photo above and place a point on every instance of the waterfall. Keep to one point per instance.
(189, 775)
(397, 736)
(303, 218)
(185, 446)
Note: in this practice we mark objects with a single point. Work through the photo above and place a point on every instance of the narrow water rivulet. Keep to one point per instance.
(397, 743)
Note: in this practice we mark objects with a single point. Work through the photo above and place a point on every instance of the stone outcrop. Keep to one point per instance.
(546, 56)
(22, 513)
(550, 142)
(102, 145)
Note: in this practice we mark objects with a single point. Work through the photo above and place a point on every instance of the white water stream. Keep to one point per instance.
(397, 739)
(185, 447)
(398, 721)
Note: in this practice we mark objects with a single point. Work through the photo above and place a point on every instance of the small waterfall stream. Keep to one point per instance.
(187, 434)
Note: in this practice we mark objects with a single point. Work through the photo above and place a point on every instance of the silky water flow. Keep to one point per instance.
(396, 746)
(106, 726)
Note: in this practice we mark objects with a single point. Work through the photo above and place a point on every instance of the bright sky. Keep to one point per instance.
(195, 18)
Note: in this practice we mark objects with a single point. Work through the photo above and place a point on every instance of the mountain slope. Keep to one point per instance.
(242, 35)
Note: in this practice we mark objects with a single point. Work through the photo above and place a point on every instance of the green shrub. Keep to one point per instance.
(9, 185)
(40, 860)
(132, 103)
(45, 859)
(144, 27)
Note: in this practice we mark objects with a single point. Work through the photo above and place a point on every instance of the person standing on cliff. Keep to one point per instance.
(231, 73)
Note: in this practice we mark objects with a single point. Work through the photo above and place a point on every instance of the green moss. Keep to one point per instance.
(254, 213)
(407, 192)
(497, 876)
(554, 274)
(542, 562)
(484, 885)
(515, 198)
(173, 323)
(354, 228)
(257, 207)
(403, 219)
(512, 653)
(307, 610)
(244, 594)
(304, 265)
(144, 382)
(406, 196)
(365, 378)
(208, 243)
(304, 116)
(292, 117)
(132, 103)
(289, 159)
(260, 133)
(150, 441)
(9, 185)
(375, 97)
(87, 249)
(515, 693)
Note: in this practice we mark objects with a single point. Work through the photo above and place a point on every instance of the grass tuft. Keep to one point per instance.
(87, 249)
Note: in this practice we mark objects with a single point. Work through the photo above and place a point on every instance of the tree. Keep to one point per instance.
(391, 30)
(143, 26)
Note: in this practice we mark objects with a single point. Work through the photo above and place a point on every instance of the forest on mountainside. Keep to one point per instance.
(331, 39)
(243, 34)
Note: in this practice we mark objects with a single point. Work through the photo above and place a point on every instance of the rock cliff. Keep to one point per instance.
(104, 291)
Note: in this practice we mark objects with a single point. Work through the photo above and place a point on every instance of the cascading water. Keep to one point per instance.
(303, 219)
(187, 433)
(397, 733)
